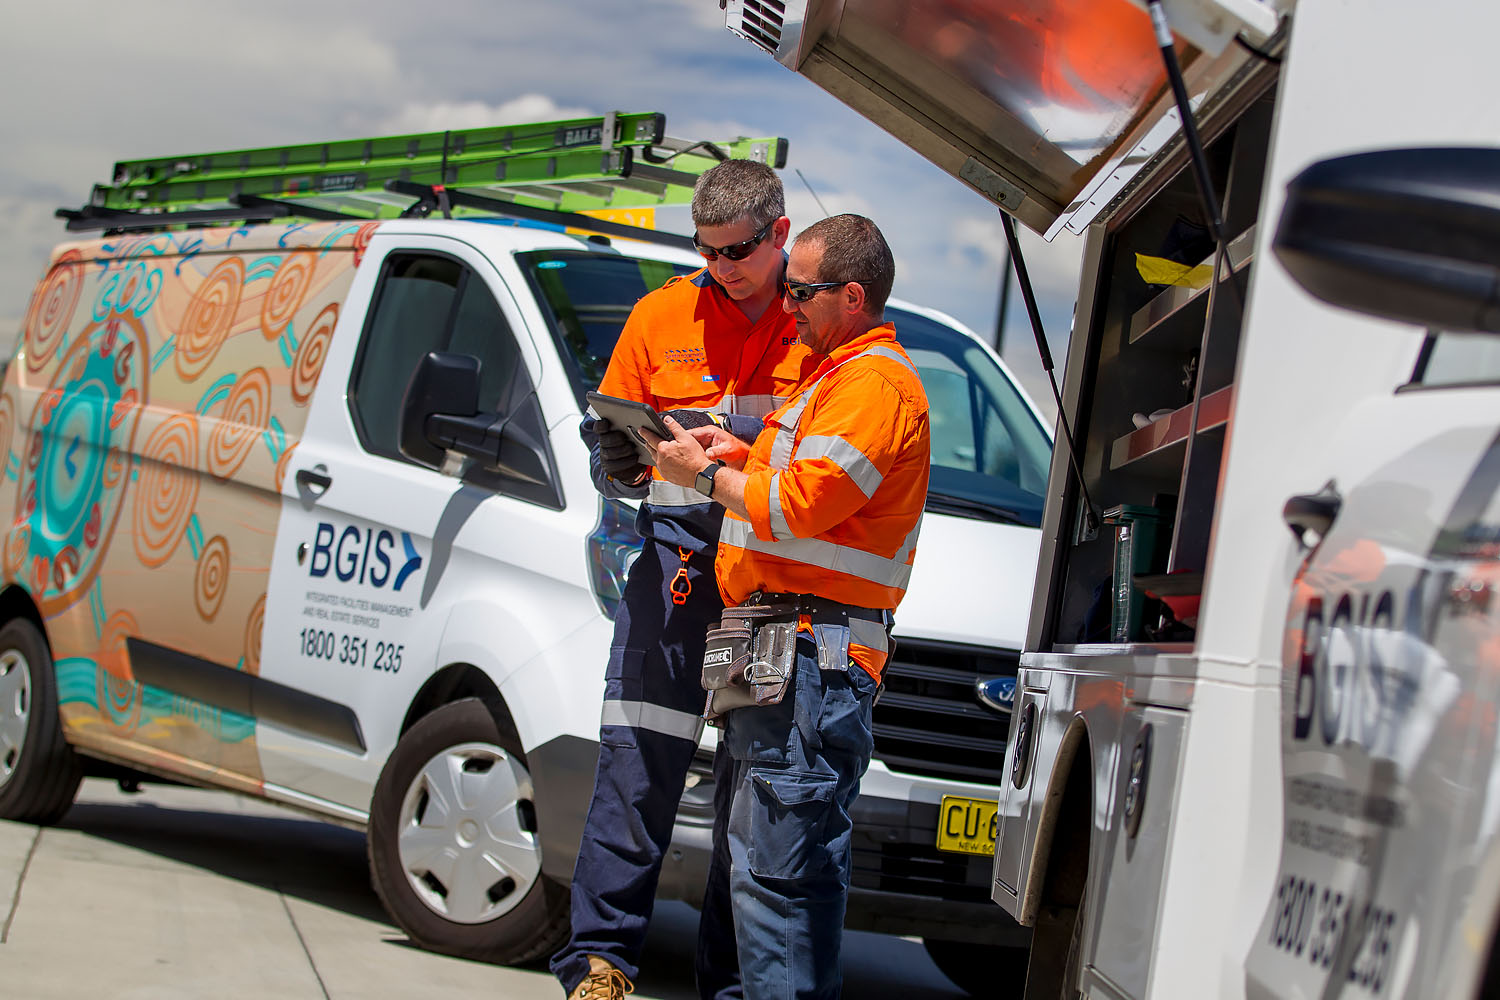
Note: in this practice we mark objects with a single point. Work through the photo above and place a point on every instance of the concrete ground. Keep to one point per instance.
(182, 893)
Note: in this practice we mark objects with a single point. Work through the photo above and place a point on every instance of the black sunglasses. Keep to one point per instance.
(735, 251)
(802, 291)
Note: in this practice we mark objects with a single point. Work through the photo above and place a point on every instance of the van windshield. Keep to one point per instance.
(990, 454)
(587, 298)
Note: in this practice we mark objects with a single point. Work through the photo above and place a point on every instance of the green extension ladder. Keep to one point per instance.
(546, 172)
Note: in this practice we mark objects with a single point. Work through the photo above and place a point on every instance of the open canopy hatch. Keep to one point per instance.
(1047, 107)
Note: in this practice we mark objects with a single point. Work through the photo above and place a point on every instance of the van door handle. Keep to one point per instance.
(1314, 512)
(314, 481)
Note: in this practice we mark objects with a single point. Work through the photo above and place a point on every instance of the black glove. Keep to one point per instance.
(618, 456)
(688, 419)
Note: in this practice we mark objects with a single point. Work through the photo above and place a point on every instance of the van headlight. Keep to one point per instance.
(611, 550)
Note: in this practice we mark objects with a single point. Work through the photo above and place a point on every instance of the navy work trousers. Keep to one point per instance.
(651, 719)
(796, 771)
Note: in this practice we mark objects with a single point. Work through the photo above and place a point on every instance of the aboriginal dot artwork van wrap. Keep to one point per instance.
(146, 425)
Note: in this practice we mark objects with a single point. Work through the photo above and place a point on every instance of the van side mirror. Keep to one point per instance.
(1403, 234)
(443, 385)
(440, 414)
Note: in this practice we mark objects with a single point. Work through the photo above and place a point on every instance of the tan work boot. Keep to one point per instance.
(604, 982)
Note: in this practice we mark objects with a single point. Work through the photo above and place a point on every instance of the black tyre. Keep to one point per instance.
(452, 842)
(980, 970)
(39, 772)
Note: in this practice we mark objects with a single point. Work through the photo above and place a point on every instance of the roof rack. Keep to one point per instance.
(547, 172)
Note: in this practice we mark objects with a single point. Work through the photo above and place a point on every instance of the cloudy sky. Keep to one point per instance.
(87, 83)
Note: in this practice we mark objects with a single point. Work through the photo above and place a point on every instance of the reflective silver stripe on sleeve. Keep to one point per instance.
(783, 446)
(869, 634)
(665, 494)
(843, 454)
(886, 352)
(655, 718)
(753, 405)
(821, 553)
(903, 554)
(779, 528)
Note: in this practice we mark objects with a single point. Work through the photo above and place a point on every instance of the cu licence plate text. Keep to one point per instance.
(966, 826)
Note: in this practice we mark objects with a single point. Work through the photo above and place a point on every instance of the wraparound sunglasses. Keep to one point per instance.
(735, 251)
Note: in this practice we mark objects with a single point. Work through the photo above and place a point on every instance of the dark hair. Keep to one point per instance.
(854, 250)
(735, 189)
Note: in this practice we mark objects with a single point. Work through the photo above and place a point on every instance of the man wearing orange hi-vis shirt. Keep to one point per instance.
(820, 530)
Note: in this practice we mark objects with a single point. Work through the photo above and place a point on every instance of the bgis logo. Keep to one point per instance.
(363, 556)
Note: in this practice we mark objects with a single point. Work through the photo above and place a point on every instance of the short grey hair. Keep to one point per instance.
(854, 250)
(736, 189)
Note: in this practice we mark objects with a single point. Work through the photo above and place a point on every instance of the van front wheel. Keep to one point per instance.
(39, 772)
(453, 845)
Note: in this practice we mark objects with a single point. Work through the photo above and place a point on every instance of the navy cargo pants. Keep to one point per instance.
(796, 771)
(652, 716)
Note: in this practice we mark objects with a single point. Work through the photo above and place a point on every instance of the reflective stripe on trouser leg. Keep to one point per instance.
(648, 733)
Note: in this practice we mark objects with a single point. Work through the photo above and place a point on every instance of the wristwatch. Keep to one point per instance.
(705, 481)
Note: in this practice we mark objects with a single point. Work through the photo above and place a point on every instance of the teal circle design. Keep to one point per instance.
(70, 474)
(78, 487)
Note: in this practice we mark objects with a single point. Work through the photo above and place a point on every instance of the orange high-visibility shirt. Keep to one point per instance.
(837, 483)
(687, 345)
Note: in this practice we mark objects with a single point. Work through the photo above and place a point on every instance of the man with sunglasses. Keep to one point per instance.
(820, 528)
(710, 346)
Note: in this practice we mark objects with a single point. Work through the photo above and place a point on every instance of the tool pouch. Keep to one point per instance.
(748, 659)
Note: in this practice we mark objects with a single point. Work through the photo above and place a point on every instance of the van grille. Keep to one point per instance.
(761, 21)
(929, 720)
(922, 870)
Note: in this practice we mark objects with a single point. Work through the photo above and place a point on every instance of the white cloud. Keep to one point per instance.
(438, 116)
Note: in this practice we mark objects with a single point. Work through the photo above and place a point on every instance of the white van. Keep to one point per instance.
(270, 529)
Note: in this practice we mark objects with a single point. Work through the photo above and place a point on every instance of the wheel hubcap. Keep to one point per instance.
(15, 710)
(467, 839)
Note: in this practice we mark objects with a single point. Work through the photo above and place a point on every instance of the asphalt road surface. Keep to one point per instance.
(181, 893)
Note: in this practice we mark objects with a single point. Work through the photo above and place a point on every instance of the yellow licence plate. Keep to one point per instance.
(966, 826)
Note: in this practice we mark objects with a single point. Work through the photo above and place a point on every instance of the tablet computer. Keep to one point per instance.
(630, 416)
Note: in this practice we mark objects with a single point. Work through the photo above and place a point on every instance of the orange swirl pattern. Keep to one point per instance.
(16, 547)
(210, 314)
(284, 463)
(7, 428)
(121, 698)
(167, 490)
(362, 241)
(65, 567)
(111, 655)
(252, 635)
(212, 578)
(288, 287)
(312, 352)
(115, 465)
(244, 418)
(52, 309)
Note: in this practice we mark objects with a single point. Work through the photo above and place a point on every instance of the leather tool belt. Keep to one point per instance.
(749, 658)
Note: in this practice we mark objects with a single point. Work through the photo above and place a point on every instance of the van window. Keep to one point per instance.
(429, 302)
(990, 454)
(1459, 359)
(587, 298)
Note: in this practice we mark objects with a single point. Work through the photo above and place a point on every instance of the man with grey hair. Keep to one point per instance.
(713, 347)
